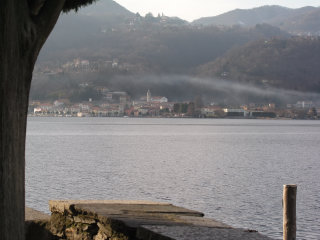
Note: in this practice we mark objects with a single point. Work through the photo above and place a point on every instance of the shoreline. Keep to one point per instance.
(161, 117)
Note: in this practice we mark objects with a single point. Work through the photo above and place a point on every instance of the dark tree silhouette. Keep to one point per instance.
(24, 27)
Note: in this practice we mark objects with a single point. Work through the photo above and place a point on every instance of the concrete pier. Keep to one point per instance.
(137, 220)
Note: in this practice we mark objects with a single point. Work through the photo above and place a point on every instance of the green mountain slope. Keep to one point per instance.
(289, 64)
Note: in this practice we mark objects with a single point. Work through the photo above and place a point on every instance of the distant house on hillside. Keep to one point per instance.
(116, 96)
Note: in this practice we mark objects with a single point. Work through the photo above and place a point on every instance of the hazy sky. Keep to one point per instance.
(193, 9)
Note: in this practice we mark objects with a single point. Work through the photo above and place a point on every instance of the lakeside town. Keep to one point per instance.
(119, 104)
(114, 103)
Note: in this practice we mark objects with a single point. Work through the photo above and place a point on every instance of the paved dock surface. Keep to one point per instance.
(34, 215)
(144, 221)
(204, 233)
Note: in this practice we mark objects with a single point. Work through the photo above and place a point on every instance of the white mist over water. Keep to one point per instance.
(232, 170)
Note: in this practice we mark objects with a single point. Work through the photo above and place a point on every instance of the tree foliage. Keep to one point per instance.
(76, 4)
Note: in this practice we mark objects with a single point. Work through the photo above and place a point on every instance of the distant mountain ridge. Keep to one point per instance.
(293, 20)
(105, 8)
(248, 17)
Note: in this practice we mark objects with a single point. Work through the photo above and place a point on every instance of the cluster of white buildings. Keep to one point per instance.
(114, 104)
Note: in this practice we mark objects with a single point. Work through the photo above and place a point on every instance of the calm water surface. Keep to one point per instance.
(232, 170)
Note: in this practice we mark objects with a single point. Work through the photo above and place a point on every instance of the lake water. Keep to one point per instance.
(232, 170)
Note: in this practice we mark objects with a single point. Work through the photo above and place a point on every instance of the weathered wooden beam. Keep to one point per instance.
(289, 212)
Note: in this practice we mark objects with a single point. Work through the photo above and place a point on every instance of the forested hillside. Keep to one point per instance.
(151, 44)
(109, 46)
(283, 63)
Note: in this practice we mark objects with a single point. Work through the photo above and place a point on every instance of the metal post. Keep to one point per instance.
(289, 212)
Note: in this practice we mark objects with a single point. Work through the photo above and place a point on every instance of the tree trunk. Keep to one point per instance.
(22, 35)
(15, 75)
